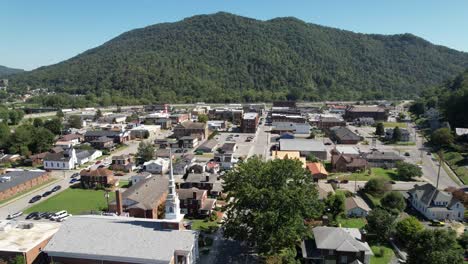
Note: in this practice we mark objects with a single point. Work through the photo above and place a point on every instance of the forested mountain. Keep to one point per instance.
(224, 57)
(6, 71)
(451, 98)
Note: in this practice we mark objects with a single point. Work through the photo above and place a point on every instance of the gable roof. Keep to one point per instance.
(340, 239)
(344, 133)
(316, 168)
(356, 202)
(209, 144)
(145, 194)
(428, 195)
(188, 193)
(99, 172)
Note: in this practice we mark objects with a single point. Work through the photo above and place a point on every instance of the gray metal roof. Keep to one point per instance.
(18, 177)
(340, 239)
(302, 145)
(118, 239)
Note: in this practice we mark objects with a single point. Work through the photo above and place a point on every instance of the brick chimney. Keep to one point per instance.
(194, 195)
(118, 199)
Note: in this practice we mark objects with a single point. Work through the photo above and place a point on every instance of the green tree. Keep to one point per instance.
(21, 139)
(15, 116)
(335, 205)
(417, 108)
(202, 118)
(442, 137)
(376, 186)
(5, 134)
(37, 122)
(407, 171)
(463, 240)
(407, 228)
(54, 125)
(312, 158)
(435, 246)
(393, 200)
(145, 152)
(380, 222)
(312, 135)
(75, 121)
(380, 129)
(98, 115)
(272, 199)
(42, 141)
(396, 134)
(60, 115)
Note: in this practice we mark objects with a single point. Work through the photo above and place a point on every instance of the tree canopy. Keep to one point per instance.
(271, 201)
(408, 171)
(393, 200)
(435, 246)
(145, 152)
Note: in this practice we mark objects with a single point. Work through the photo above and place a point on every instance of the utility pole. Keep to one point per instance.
(440, 165)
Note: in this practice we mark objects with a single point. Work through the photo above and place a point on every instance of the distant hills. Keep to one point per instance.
(228, 58)
(6, 71)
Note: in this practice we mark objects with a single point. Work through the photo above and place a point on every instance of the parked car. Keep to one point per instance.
(48, 215)
(12, 216)
(437, 223)
(74, 175)
(46, 193)
(58, 215)
(56, 188)
(73, 181)
(32, 215)
(407, 154)
(63, 218)
(35, 199)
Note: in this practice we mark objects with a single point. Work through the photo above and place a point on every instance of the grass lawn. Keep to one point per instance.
(395, 124)
(201, 224)
(458, 163)
(75, 201)
(372, 200)
(124, 183)
(382, 254)
(352, 222)
(29, 190)
(387, 174)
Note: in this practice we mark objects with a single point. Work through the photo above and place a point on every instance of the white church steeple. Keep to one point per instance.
(172, 200)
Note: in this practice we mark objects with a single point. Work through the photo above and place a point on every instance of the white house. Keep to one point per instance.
(85, 156)
(157, 166)
(435, 204)
(65, 160)
(356, 206)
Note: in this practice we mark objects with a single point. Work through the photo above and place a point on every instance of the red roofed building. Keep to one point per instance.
(100, 176)
(317, 170)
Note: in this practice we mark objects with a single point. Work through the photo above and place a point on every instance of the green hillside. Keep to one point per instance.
(227, 58)
(6, 71)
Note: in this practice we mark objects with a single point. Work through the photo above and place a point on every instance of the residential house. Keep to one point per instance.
(75, 138)
(336, 245)
(83, 156)
(324, 190)
(317, 170)
(24, 240)
(355, 206)
(348, 150)
(375, 112)
(305, 147)
(212, 167)
(188, 142)
(227, 160)
(14, 182)
(198, 167)
(122, 163)
(382, 159)
(97, 177)
(157, 166)
(436, 204)
(107, 239)
(166, 143)
(37, 159)
(343, 135)
(204, 181)
(144, 199)
(229, 147)
(134, 179)
(189, 128)
(164, 153)
(348, 163)
(208, 146)
(405, 134)
(65, 160)
(195, 202)
(283, 154)
(118, 136)
(103, 143)
(249, 122)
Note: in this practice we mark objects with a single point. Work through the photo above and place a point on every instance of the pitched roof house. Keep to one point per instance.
(336, 245)
(195, 202)
(317, 170)
(436, 204)
(348, 163)
(99, 176)
(356, 206)
(344, 135)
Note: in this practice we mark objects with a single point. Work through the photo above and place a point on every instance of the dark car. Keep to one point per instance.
(344, 181)
(32, 215)
(56, 188)
(73, 180)
(35, 199)
(332, 181)
(407, 154)
(46, 193)
(74, 175)
(47, 215)
(44, 214)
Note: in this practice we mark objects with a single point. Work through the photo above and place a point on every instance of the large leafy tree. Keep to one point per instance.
(381, 223)
(380, 129)
(408, 171)
(5, 135)
(393, 200)
(335, 205)
(271, 201)
(75, 121)
(442, 137)
(42, 141)
(437, 246)
(407, 228)
(396, 136)
(145, 152)
(54, 125)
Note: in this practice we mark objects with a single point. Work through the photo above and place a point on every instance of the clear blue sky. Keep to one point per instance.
(35, 33)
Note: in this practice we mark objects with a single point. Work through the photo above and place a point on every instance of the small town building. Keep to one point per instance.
(348, 163)
(317, 170)
(375, 112)
(157, 166)
(355, 206)
(208, 146)
(283, 154)
(382, 159)
(103, 143)
(83, 156)
(405, 134)
(122, 163)
(189, 128)
(249, 122)
(299, 129)
(118, 136)
(97, 177)
(134, 179)
(203, 181)
(14, 182)
(64, 160)
(305, 147)
(195, 202)
(188, 142)
(343, 135)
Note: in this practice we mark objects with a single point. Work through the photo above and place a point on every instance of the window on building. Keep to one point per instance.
(344, 259)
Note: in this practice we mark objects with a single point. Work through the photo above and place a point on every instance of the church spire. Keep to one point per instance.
(172, 200)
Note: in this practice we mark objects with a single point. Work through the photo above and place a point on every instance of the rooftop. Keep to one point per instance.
(366, 109)
(250, 115)
(302, 145)
(118, 239)
(16, 239)
(18, 177)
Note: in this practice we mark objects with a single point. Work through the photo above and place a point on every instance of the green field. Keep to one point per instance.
(387, 174)
(201, 224)
(75, 201)
(384, 258)
(395, 124)
(352, 222)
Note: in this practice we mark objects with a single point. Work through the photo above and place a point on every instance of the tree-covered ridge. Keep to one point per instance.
(6, 71)
(224, 57)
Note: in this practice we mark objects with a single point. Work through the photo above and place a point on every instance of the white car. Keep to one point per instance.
(11, 216)
(58, 215)
(63, 218)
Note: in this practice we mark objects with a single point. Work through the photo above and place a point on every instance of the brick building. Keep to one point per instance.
(97, 177)
(376, 112)
(14, 182)
(189, 128)
(195, 202)
(249, 123)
